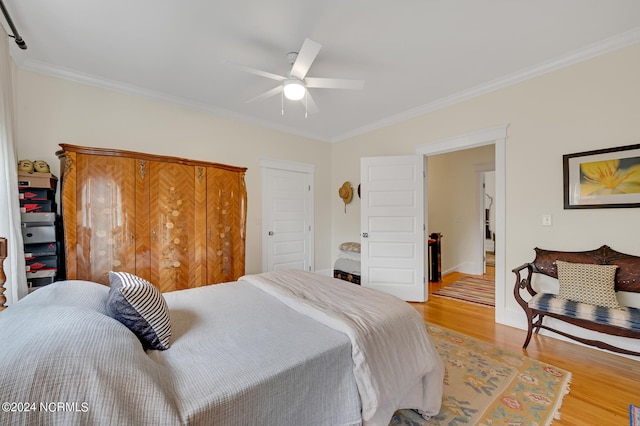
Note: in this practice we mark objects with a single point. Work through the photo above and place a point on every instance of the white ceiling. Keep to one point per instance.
(414, 55)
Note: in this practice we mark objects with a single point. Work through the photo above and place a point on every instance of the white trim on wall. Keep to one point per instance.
(292, 166)
(493, 136)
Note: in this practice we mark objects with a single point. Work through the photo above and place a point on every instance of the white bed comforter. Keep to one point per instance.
(395, 363)
(238, 356)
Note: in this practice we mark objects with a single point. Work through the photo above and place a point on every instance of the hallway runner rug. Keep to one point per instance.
(470, 289)
(487, 385)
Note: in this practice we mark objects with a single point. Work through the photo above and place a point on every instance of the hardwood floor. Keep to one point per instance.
(602, 387)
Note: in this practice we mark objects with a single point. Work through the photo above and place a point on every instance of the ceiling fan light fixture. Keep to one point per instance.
(294, 89)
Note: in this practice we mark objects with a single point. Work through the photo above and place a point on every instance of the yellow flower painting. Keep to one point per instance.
(610, 177)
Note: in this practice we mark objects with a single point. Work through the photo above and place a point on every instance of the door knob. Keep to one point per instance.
(365, 235)
(271, 232)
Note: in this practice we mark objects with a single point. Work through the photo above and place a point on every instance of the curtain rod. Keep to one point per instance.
(19, 41)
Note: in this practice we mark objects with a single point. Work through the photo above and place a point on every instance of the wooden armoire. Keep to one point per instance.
(177, 223)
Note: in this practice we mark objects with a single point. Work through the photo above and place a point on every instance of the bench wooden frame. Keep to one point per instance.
(627, 279)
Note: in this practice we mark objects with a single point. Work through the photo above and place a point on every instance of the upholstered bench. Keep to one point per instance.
(587, 283)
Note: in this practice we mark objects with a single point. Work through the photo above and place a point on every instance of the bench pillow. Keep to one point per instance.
(588, 283)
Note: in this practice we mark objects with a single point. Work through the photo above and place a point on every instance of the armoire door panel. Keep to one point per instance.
(226, 222)
(177, 206)
(199, 265)
(105, 217)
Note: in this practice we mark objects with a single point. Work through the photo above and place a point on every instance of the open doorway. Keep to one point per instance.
(456, 207)
(496, 138)
(461, 195)
(460, 199)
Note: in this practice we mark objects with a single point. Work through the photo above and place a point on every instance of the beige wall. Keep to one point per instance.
(591, 105)
(50, 111)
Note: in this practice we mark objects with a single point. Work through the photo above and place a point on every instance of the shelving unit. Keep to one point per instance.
(40, 228)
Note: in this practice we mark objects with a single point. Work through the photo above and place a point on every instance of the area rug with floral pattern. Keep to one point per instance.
(486, 385)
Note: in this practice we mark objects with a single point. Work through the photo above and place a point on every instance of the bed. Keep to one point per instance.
(280, 348)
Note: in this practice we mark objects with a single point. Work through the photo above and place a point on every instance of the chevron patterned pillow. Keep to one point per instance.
(588, 283)
(136, 303)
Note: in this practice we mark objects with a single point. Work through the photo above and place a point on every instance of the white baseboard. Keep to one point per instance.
(325, 272)
(466, 268)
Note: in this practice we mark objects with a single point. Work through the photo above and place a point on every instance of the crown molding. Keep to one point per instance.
(116, 86)
(591, 51)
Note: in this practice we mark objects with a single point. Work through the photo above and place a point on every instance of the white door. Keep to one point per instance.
(392, 222)
(287, 220)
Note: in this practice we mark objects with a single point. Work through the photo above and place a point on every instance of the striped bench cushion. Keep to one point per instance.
(627, 317)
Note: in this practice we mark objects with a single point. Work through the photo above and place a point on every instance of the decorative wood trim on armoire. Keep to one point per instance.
(178, 223)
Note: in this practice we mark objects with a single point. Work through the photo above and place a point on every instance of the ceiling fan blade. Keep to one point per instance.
(258, 72)
(267, 94)
(306, 56)
(334, 83)
(312, 108)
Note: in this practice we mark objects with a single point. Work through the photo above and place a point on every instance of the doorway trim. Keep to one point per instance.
(291, 166)
(480, 174)
(496, 136)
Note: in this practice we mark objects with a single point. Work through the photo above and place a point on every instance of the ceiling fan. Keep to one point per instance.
(295, 85)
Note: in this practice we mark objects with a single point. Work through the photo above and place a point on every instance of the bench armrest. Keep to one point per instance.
(523, 283)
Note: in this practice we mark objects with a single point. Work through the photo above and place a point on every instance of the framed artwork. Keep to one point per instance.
(604, 178)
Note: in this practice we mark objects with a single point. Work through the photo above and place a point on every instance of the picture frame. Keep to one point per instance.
(603, 178)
